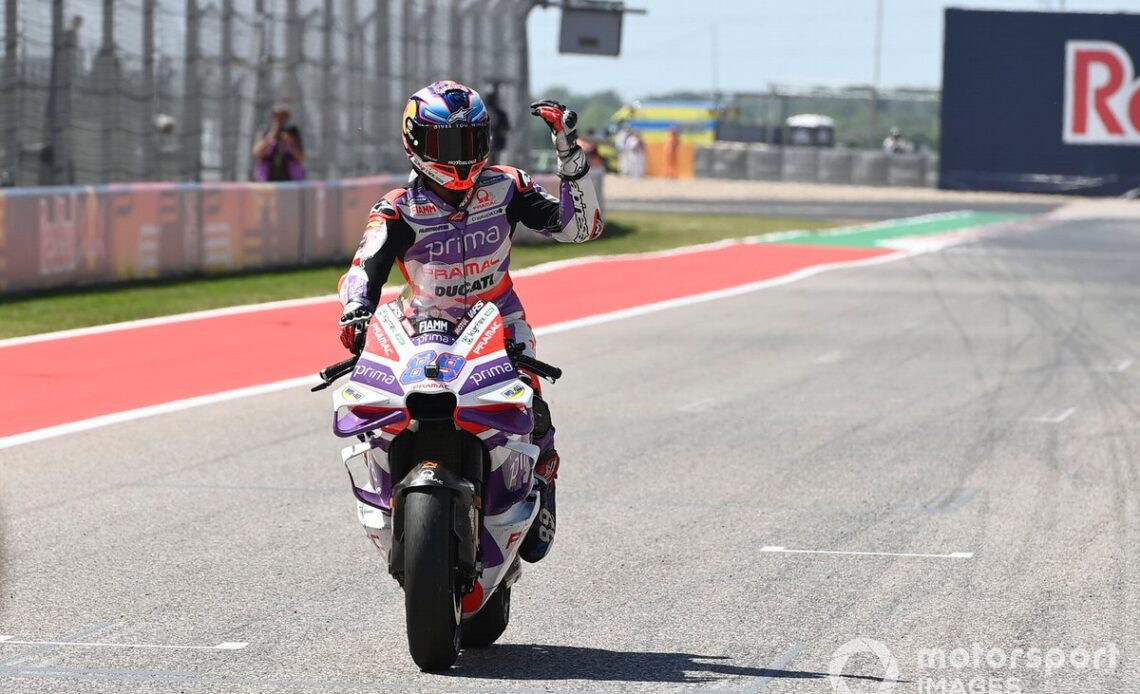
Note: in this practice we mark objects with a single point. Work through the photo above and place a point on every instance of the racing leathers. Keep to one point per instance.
(466, 252)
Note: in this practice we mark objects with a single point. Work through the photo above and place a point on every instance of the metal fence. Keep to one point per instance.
(99, 91)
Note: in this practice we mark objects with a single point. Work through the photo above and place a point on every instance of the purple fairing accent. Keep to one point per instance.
(498, 495)
(495, 440)
(376, 375)
(492, 556)
(486, 375)
(381, 481)
(512, 420)
(434, 338)
(370, 498)
(381, 443)
(350, 424)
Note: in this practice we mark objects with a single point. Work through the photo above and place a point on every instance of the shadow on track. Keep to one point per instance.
(533, 662)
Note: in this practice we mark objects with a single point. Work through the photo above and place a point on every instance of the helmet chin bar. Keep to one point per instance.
(446, 175)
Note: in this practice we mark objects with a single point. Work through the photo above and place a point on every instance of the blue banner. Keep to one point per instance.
(1042, 102)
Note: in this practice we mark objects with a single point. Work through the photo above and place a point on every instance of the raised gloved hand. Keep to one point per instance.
(352, 326)
(563, 124)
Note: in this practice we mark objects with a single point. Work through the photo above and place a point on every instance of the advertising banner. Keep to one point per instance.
(1041, 102)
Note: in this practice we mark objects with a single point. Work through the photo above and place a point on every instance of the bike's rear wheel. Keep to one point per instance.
(432, 603)
(489, 623)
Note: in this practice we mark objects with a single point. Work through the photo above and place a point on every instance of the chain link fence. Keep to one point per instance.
(102, 91)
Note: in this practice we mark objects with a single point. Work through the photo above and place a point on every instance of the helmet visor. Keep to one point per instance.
(455, 145)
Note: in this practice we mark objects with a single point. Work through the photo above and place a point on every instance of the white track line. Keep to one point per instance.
(803, 273)
(225, 646)
(140, 413)
(164, 320)
(179, 405)
(784, 550)
(1052, 417)
(1117, 368)
(539, 269)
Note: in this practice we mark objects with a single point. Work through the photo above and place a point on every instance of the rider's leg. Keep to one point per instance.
(540, 537)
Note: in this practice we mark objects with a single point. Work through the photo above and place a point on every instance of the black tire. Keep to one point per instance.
(431, 602)
(489, 623)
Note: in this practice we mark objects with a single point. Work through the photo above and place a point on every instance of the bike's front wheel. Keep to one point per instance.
(432, 602)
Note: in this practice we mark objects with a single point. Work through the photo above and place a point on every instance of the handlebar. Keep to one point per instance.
(548, 371)
(331, 373)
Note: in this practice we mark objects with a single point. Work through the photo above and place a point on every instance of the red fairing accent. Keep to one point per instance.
(378, 342)
(397, 427)
(470, 427)
(491, 340)
(473, 600)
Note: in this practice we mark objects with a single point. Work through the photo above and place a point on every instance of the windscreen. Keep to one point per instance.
(433, 300)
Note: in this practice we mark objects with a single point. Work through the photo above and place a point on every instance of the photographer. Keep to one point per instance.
(278, 153)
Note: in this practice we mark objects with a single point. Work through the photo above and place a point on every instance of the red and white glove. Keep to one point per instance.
(352, 326)
(563, 124)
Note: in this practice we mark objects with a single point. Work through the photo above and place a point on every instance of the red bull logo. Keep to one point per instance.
(1102, 95)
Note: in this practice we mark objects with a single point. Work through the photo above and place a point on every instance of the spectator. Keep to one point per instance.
(279, 153)
(673, 152)
(636, 147)
(500, 125)
(895, 143)
(621, 144)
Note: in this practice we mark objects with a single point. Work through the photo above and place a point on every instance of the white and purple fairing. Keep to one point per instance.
(469, 361)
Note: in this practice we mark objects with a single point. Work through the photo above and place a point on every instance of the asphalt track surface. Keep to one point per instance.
(978, 400)
(820, 208)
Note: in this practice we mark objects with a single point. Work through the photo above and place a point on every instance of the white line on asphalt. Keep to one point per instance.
(1117, 368)
(803, 273)
(224, 646)
(51, 648)
(1052, 416)
(179, 405)
(164, 408)
(539, 269)
(785, 550)
(832, 357)
(701, 405)
(164, 320)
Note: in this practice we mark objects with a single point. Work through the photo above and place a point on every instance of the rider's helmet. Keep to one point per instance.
(447, 134)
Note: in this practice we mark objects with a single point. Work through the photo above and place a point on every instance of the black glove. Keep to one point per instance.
(352, 324)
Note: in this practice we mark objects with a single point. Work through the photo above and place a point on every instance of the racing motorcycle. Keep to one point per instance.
(443, 468)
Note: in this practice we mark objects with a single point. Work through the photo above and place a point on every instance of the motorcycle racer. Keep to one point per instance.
(454, 222)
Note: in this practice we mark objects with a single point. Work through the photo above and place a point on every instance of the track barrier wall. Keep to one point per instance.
(1041, 102)
(59, 237)
(759, 162)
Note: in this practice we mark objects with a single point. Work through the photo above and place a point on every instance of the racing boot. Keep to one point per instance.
(540, 537)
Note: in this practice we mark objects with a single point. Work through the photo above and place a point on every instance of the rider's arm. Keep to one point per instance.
(386, 238)
(573, 217)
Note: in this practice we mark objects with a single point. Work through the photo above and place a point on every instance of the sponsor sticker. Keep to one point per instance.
(514, 392)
